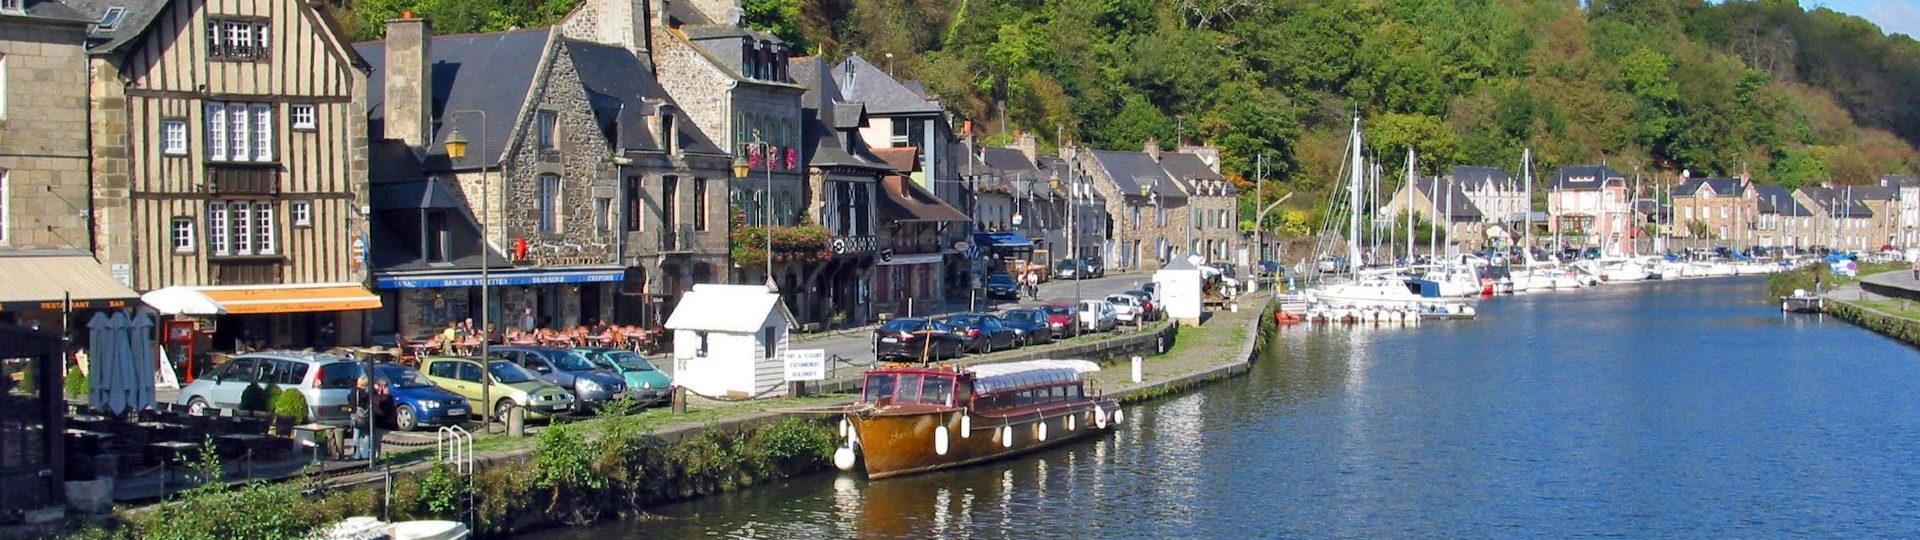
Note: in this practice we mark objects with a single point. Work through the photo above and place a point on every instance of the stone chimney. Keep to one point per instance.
(1026, 144)
(1152, 148)
(409, 82)
(1208, 153)
(626, 23)
(718, 11)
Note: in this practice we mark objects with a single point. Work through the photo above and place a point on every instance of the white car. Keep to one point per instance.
(1098, 316)
(325, 379)
(1126, 307)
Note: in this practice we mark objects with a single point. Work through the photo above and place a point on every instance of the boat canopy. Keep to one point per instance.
(1426, 288)
(991, 378)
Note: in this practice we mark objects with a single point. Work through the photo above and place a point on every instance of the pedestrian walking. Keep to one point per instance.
(1916, 268)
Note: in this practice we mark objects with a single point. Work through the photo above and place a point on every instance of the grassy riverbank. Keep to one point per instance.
(1783, 283)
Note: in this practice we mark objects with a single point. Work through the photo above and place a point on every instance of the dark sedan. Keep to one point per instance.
(902, 339)
(985, 333)
(1031, 322)
(1003, 286)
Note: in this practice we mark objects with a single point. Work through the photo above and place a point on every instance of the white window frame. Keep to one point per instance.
(303, 116)
(239, 133)
(173, 136)
(549, 204)
(181, 237)
(217, 227)
(216, 131)
(262, 132)
(302, 212)
(240, 214)
(3, 78)
(13, 6)
(266, 242)
(239, 38)
(6, 211)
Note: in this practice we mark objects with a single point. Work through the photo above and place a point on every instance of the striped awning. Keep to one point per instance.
(301, 298)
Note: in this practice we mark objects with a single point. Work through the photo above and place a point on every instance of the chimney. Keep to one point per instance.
(1152, 148)
(846, 88)
(1026, 144)
(409, 82)
(627, 23)
(1209, 154)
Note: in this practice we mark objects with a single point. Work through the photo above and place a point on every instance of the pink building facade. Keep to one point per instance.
(1589, 206)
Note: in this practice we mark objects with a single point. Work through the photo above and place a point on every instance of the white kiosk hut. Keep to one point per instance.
(1179, 285)
(730, 340)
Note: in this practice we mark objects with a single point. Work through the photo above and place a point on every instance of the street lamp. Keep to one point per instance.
(456, 145)
(740, 170)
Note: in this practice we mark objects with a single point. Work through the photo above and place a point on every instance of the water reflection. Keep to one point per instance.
(1663, 409)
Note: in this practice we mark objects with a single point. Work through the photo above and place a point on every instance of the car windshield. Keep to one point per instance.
(565, 360)
(629, 360)
(1030, 315)
(1000, 279)
(906, 325)
(505, 372)
(1059, 310)
(397, 376)
(963, 320)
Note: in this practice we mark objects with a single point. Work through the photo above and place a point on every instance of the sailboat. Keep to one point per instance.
(1376, 288)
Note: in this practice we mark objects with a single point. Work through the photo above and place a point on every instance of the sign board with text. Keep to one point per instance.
(806, 364)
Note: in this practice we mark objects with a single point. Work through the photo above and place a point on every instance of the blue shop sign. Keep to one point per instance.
(498, 279)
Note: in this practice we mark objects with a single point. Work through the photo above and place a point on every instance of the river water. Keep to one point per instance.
(1689, 409)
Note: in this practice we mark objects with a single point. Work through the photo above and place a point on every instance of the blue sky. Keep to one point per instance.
(1893, 16)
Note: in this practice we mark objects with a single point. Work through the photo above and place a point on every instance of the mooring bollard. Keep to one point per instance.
(679, 400)
(516, 422)
(1136, 369)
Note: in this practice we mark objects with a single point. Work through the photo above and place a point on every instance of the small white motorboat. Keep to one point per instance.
(1802, 302)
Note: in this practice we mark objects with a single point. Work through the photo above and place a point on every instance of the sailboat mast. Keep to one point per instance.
(1526, 180)
(1409, 206)
(1353, 200)
(1433, 229)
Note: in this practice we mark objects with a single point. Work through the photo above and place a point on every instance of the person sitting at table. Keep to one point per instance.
(599, 328)
(493, 334)
(448, 338)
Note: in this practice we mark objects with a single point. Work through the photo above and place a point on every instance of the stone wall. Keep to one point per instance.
(43, 136)
(112, 181)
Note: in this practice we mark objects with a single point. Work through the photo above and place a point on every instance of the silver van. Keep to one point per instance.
(325, 379)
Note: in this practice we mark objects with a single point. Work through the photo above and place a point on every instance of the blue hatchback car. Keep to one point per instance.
(415, 401)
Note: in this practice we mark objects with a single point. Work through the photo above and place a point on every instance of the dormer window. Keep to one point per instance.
(669, 138)
(13, 6)
(108, 21)
(238, 39)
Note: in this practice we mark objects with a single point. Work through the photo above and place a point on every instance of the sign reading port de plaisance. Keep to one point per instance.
(806, 364)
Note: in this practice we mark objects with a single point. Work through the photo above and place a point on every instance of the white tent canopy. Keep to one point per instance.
(178, 300)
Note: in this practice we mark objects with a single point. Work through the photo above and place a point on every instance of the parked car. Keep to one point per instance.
(1127, 308)
(648, 384)
(1060, 320)
(1070, 269)
(901, 339)
(1098, 316)
(570, 370)
(415, 401)
(985, 333)
(512, 385)
(1031, 322)
(1096, 267)
(325, 379)
(1150, 307)
(1001, 285)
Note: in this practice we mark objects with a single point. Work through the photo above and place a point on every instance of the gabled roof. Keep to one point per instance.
(1722, 187)
(621, 86)
(1875, 193)
(55, 11)
(1835, 202)
(1471, 178)
(901, 158)
(141, 13)
(1898, 181)
(1452, 199)
(1007, 161)
(490, 72)
(399, 191)
(820, 106)
(883, 94)
(1131, 170)
(738, 309)
(1583, 177)
(1777, 200)
(1188, 168)
(905, 200)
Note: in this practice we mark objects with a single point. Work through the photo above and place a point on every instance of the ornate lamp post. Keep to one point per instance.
(456, 145)
(740, 170)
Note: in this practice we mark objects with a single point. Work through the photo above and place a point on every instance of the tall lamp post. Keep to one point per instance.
(456, 145)
(740, 170)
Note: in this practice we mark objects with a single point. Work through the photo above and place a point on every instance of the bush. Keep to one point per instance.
(255, 398)
(290, 403)
(76, 384)
(214, 510)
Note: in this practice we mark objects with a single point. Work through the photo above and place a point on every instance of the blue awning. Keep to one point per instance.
(1003, 240)
(422, 280)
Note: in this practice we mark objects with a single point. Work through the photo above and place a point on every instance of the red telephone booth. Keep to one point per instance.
(179, 341)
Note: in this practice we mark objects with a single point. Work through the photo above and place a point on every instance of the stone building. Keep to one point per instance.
(46, 246)
(1215, 211)
(1077, 206)
(1445, 201)
(230, 157)
(1906, 190)
(1589, 206)
(1147, 207)
(1781, 220)
(832, 285)
(1841, 220)
(1718, 211)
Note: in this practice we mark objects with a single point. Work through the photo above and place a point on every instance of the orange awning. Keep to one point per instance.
(292, 298)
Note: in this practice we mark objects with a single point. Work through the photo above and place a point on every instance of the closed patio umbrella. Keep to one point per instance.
(98, 334)
(141, 361)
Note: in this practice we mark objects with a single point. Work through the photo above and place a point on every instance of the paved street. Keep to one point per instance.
(857, 345)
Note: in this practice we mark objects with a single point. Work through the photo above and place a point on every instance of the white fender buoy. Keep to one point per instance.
(1070, 420)
(1040, 430)
(843, 458)
(1119, 416)
(1006, 436)
(1099, 418)
(966, 426)
(845, 426)
(940, 440)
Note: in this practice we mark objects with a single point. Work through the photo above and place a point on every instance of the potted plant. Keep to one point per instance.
(77, 385)
(289, 409)
(255, 398)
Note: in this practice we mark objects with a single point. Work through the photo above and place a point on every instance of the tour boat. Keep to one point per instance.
(1802, 302)
(913, 419)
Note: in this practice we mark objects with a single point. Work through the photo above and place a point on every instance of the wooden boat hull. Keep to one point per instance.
(899, 443)
(1799, 304)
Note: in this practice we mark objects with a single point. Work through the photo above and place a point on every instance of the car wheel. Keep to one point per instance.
(500, 409)
(404, 418)
(197, 406)
(986, 345)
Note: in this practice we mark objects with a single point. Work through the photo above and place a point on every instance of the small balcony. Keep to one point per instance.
(264, 270)
(243, 178)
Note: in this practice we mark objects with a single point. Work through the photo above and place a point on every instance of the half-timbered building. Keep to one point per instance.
(230, 157)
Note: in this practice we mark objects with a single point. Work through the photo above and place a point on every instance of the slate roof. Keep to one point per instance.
(905, 200)
(140, 14)
(1185, 167)
(52, 10)
(883, 95)
(1007, 161)
(1583, 177)
(620, 86)
(1898, 181)
(901, 158)
(819, 106)
(1473, 177)
(399, 191)
(1131, 170)
(1452, 199)
(684, 14)
(1777, 200)
(486, 72)
(1875, 193)
(1722, 187)
(712, 31)
(1834, 202)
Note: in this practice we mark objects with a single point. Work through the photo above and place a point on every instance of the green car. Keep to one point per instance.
(647, 383)
(512, 385)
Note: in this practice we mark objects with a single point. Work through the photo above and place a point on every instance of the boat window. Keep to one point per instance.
(909, 389)
(937, 391)
(1024, 398)
(1073, 392)
(963, 395)
(879, 386)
